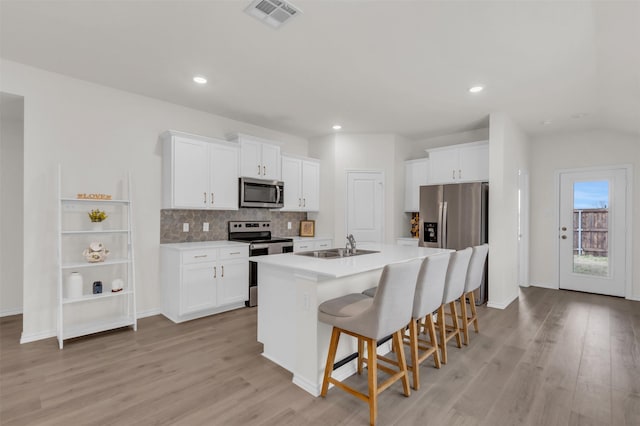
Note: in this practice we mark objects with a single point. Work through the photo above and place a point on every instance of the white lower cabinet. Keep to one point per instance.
(308, 244)
(200, 279)
(406, 241)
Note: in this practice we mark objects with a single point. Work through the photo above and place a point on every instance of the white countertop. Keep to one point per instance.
(342, 267)
(203, 245)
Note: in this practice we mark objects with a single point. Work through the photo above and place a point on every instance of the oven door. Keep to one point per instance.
(261, 193)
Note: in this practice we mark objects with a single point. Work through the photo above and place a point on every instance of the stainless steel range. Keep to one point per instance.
(261, 242)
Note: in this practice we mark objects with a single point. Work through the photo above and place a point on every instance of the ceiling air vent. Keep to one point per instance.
(272, 12)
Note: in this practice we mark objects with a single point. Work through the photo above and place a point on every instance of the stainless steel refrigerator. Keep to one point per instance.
(456, 216)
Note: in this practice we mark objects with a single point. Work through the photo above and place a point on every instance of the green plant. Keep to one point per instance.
(97, 215)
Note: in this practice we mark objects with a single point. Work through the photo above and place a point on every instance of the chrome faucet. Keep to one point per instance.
(351, 244)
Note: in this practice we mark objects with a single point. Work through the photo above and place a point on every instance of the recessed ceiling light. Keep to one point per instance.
(337, 127)
(476, 89)
(200, 79)
(545, 122)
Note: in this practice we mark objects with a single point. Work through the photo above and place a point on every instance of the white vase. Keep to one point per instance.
(73, 288)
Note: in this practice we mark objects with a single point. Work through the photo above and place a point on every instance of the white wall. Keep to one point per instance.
(323, 148)
(11, 203)
(81, 125)
(508, 153)
(342, 152)
(567, 151)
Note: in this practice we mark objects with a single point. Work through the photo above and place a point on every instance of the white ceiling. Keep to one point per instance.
(399, 67)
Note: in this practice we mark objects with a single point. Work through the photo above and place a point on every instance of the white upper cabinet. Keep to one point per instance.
(258, 158)
(199, 172)
(459, 163)
(189, 174)
(301, 179)
(416, 175)
(224, 176)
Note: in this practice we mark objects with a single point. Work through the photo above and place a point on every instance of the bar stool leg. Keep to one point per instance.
(372, 367)
(472, 303)
(443, 333)
(360, 355)
(331, 357)
(456, 326)
(465, 320)
(428, 320)
(413, 344)
(402, 361)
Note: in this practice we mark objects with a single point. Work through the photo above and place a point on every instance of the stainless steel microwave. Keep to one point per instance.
(261, 193)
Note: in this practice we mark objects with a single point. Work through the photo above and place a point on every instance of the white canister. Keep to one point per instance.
(117, 285)
(73, 288)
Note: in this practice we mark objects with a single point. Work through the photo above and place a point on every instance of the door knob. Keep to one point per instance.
(564, 237)
(564, 228)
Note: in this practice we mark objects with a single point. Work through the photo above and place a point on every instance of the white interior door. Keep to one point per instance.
(592, 239)
(365, 206)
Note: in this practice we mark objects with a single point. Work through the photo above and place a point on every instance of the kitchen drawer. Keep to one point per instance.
(233, 252)
(303, 245)
(323, 244)
(199, 256)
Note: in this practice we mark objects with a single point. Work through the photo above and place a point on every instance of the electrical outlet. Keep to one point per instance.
(205, 227)
(185, 227)
(288, 225)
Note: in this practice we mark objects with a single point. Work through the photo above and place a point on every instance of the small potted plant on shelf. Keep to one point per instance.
(97, 217)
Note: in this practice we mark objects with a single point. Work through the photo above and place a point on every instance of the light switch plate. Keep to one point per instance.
(185, 227)
(205, 227)
(288, 225)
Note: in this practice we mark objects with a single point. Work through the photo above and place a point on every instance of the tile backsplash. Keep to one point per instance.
(171, 223)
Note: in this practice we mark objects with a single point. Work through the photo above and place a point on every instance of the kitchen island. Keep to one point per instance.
(290, 288)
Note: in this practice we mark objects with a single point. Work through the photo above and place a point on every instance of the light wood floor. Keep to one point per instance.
(551, 358)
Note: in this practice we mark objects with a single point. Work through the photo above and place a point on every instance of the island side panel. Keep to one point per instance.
(277, 315)
(313, 336)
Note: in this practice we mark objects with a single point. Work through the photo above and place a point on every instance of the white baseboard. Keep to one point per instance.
(32, 337)
(635, 298)
(10, 311)
(148, 313)
(545, 285)
(503, 304)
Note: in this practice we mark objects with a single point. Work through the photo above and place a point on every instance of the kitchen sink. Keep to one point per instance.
(334, 253)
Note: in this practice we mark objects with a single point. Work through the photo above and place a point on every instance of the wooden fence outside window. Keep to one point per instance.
(591, 232)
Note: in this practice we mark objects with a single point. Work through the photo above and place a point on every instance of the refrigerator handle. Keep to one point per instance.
(443, 222)
(440, 208)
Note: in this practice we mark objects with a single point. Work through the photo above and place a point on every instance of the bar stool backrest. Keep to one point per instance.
(394, 298)
(430, 284)
(476, 267)
(456, 275)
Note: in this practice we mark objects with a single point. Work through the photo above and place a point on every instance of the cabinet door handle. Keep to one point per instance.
(299, 202)
(212, 198)
(215, 272)
(222, 271)
(235, 252)
(304, 202)
(453, 174)
(459, 174)
(200, 255)
(258, 169)
(264, 170)
(205, 197)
